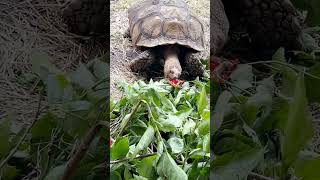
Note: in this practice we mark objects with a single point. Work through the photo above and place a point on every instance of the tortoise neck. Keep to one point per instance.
(171, 52)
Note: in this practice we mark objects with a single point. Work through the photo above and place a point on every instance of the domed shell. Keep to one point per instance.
(162, 22)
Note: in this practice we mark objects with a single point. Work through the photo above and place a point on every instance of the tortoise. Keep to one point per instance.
(166, 30)
(269, 24)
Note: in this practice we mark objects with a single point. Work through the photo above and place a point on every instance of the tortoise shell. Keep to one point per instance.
(162, 22)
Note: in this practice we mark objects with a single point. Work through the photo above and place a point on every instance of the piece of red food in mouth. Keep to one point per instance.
(110, 142)
(176, 83)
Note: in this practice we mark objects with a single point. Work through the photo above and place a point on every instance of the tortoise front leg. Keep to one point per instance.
(142, 62)
(193, 66)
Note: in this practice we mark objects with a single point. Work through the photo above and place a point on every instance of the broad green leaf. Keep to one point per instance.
(79, 105)
(115, 175)
(145, 140)
(289, 76)
(127, 173)
(9, 173)
(194, 171)
(309, 43)
(83, 77)
(167, 104)
(188, 127)
(170, 123)
(58, 89)
(100, 69)
(120, 148)
(42, 66)
(42, 129)
(313, 13)
(206, 143)
(55, 173)
(168, 169)
(298, 129)
(139, 177)
(242, 77)
(232, 141)
(261, 103)
(307, 167)
(222, 106)
(279, 55)
(154, 97)
(202, 101)
(4, 137)
(145, 167)
(236, 165)
(204, 128)
(313, 84)
(176, 144)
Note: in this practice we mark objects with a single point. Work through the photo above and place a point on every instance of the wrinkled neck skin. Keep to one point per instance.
(172, 67)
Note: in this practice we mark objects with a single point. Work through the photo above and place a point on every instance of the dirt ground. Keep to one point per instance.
(120, 45)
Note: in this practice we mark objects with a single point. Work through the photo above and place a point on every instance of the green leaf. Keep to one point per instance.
(120, 148)
(170, 123)
(44, 126)
(289, 76)
(188, 127)
(307, 167)
(58, 89)
(313, 84)
(204, 128)
(5, 132)
(79, 105)
(100, 69)
(115, 175)
(309, 43)
(222, 106)
(168, 169)
(127, 173)
(313, 13)
(298, 129)
(194, 171)
(42, 66)
(83, 77)
(55, 173)
(202, 101)
(206, 143)
(176, 144)
(145, 140)
(145, 167)
(139, 177)
(261, 102)
(236, 165)
(242, 77)
(9, 172)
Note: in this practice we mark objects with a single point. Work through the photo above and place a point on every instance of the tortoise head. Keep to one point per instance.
(173, 72)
